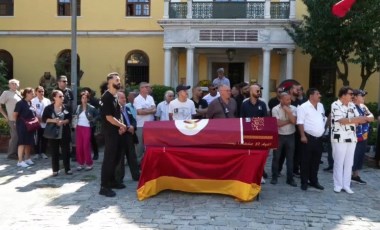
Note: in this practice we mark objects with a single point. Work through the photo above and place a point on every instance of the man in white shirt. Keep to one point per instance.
(9, 98)
(221, 79)
(311, 120)
(146, 108)
(286, 116)
(213, 93)
(181, 108)
(162, 113)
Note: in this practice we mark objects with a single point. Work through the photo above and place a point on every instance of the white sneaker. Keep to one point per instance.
(29, 162)
(22, 164)
(262, 180)
(80, 167)
(349, 191)
(88, 168)
(43, 155)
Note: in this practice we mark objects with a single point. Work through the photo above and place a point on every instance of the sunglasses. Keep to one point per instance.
(60, 96)
(64, 81)
(258, 91)
(41, 91)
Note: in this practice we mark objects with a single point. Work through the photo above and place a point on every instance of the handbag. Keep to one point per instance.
(51, 131)
(31, 124)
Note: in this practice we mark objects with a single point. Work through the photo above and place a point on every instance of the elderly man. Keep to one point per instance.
(285, 114)
(311, 121)
(9, 98)
(162, 113)
(221, 79)
(224, 106)
(182, 108)
(127, 143)
(146, 108)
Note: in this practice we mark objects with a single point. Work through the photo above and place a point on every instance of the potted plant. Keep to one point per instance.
(4, 135)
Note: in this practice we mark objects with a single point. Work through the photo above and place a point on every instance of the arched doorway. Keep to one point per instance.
(7, 58)
(63, 66)
(136, 68)
(323, 77)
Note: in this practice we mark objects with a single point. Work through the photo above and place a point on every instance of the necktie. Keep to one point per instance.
(124, 111)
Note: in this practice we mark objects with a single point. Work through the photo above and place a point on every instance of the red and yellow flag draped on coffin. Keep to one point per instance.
(224, 156)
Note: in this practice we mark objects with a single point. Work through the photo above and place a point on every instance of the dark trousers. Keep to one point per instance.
(360, 149)
(310, 159)
(286, 147)
(297, 152)
(94, 144)
(41, 142)
(53, 147)
(130, 154)
(330, 158)
(112, 155)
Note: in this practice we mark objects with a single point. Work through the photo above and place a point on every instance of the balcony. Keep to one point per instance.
(264, 9)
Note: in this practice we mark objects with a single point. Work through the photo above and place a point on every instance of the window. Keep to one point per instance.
(63, 66)
(64, 8)
(136, 68)
(6, 64)
(6, 7)
(138, 7)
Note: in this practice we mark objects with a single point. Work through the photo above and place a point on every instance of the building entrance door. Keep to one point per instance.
(234, 71)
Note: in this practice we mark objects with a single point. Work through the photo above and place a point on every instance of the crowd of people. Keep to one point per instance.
(302, 123)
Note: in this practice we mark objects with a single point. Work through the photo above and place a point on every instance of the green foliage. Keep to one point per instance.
(3, 79)
(327, 101)
(373, 107)
(331, 39)
(158, 92)
(373, 133)
(4, 128)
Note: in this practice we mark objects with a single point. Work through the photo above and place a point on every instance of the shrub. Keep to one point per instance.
(4, 128)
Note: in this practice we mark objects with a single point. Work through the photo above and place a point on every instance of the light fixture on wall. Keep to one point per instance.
(231, 54)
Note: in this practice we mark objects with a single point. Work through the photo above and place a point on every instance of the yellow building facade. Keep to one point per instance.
(162, 41)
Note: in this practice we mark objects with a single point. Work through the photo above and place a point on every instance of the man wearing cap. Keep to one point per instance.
(9, 98)
(181, 108)
(361, 135)
(221, 79)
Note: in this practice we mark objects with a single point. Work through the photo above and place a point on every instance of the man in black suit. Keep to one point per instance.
(128, 143)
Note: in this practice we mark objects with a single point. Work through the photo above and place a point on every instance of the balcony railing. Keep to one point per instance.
(236, 10)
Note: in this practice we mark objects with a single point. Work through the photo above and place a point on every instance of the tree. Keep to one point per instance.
(353, 38)
(3, 74)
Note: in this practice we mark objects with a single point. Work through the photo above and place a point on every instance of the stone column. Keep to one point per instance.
(292, 9)
(289, 63)
(190, 67)
(189, 9)
(266, 73)
(168, 65)
(166, 9)
(267, 9)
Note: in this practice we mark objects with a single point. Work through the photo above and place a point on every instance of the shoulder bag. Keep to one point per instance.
(31, 124)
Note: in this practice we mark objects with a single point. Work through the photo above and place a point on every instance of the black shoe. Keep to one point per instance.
(304, 187)
(328, 169)
(274, 180)
(95, 157)
(358, 180)
(265, 175)
(292, 183)
(118, 186)
(107, 192)
(317, 186)
(69, 172)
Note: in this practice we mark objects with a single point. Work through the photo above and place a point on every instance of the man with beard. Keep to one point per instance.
(213, 93)
(294, 92)
(224, 106)
(254, 107)
(243, 94)
(200, 104)
(67, 93)
(113, 129)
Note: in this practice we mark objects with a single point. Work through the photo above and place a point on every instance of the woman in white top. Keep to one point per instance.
(344, 118)
(86, 118)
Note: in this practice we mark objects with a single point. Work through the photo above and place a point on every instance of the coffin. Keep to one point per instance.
(252, 133)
